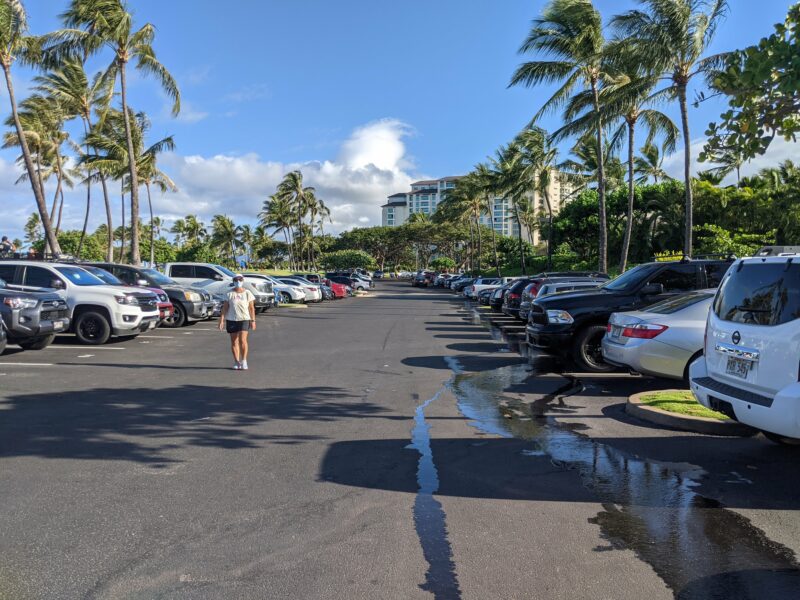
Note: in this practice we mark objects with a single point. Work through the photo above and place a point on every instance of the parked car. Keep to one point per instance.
(31, 319)
(498, 297)
(377, 274)
(312, 277)
(459, 285)
(482, 283)
(288, 294)
(189, 273)
(356, 280)
(96, 311)
(165, 308)
(513, 298)
(485, 295)
(661, 340)
(345, 282)
(749, 369)
(311, 290)
(340, 290)
(544, 286)
(573, 324)
(327, 292)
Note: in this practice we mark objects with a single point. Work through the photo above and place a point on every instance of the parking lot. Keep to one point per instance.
(388, 446)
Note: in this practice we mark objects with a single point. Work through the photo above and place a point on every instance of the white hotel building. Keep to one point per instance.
(425, 196)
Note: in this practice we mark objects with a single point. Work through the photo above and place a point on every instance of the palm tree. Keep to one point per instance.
(509, 170)
(178, 229)
(15, 44)
(291, 188)
(419, 217)
(277, 214)
(33, 229)
(94, 24)
(670, 38)
(226, 235)
(195, 230)
(489, 183)
(79, 97)
(456, 208)
(570, 34)
(650, 163)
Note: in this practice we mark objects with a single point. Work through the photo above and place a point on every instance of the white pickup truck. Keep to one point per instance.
(96, 310)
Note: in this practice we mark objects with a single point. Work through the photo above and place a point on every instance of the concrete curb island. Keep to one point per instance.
(635, 408)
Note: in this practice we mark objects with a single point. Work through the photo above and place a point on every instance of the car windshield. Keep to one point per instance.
(673, 305)
(227, 272)
(760, 294)
(157, 277)
(629, 279)
(104, 275)
(78, 276)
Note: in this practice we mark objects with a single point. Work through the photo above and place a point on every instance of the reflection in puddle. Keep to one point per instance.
(700, 549)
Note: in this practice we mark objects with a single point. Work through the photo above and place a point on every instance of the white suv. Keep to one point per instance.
(96, 310)
(750, 369)
(206, 273)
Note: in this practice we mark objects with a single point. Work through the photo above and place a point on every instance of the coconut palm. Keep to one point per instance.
(569, 34)
(80, 98)
(95, 24)
(225, 235)
(650, 163)
(16, 45)
(291, 188)
(33, 229)
(509, 170)
(670, 38)
(489, 184)
(277, 214)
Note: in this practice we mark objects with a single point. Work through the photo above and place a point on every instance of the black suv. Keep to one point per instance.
(573, 324)
(190, 304)
(32, 319)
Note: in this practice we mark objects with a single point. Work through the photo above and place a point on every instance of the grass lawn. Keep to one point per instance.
(680, 402)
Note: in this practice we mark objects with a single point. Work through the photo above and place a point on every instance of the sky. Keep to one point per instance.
(364, 96)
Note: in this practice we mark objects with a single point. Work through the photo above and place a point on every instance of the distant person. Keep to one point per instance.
(238, 317)
(7, 246)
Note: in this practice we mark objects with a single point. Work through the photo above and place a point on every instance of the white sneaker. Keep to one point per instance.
(243, 365)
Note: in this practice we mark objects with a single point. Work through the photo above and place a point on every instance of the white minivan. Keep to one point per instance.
(750, 369)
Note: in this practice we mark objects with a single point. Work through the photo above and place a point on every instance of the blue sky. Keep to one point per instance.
(416, 88)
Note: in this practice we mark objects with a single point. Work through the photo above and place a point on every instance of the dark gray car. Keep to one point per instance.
(32, 319)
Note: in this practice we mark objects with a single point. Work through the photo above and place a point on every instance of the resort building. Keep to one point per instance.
(426, 195)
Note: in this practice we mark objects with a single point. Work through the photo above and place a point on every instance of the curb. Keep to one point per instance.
(704, 425)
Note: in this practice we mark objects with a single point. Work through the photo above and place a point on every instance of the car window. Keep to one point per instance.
(79, 276)
(7, 273)
(39, 277)
(104, 275)
(715, 272)
(204, 272)
(673, 305)
(126, 275)
(677, 278)
(760, 294)
(157, 277)
(227, 272)
(181, 271)
(629, 279)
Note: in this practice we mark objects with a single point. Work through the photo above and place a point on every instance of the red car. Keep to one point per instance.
(339, 289)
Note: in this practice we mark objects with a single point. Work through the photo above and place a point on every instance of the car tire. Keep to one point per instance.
(694, 357)
(92, 328)
(2, 345)
(178, 318)
(586, 350)
(39, 343)
(781, 440)
(286, 298)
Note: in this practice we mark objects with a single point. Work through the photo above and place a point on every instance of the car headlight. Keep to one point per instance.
(17, 302)
(162, 298)
(129, 300)
(192, 296)
(561, 317)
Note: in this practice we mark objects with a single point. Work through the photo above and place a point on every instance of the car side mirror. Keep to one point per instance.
(57, 284)
(142, 282)
(217, 277)
(653, 289)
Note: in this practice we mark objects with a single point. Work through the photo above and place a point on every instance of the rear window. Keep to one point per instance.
(673, 305)
(760, 294)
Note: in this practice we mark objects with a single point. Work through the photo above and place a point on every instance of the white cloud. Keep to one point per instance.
(189, 113)
(248, 93)
(778, 151)
(371, 164)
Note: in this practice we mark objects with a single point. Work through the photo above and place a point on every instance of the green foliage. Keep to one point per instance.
(348, 259)
(164, 251)
(198, 252)
(443, 263)
(763, 85)
(713, 239)
(93, 246)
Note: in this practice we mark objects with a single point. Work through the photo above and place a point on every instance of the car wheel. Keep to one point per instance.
(37, 343)
(2, 345)
(695, 356)
(92, 328)
(178, 318)
(587, 350)
(782, 440)
(286, 298)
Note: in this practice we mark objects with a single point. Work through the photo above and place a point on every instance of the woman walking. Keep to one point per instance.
(238, 317)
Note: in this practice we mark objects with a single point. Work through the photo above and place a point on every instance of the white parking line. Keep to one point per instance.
(85, 355)
(27, 364)
(163, 337)
(77, 348)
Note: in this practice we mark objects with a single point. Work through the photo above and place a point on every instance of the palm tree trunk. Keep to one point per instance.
(136, 258)
(471, 249)
(122, 235)
(38, 192)
(494, 237)
(88, 196)
(546, 196)
(109, 220)
(480, 242)
(152, 236)
(60, 211)
(602, 248)
(54, 208)
(519, 239)
(687, 171)
(626, 240)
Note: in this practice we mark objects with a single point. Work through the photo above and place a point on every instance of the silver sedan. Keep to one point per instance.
(661, 340)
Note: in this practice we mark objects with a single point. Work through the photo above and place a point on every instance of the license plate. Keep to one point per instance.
(738, 367)
(58, 325)
(616, 331)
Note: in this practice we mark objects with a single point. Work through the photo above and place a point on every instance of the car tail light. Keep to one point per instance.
(513, 296)
(608, 328)
(644, 331)
(310, 289)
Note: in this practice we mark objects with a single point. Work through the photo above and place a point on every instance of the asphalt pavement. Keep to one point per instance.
(387, 446)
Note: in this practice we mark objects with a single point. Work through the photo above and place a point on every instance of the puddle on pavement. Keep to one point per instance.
(700, 549)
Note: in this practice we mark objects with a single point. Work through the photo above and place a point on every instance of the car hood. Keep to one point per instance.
(578, 299)
(44, 296)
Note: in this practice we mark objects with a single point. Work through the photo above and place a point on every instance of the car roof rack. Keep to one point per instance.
(683, 258)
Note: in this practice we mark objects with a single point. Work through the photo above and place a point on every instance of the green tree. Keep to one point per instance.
(33, 229)
(670, 38)
(347, 259)
(277, 214)
(650, 163)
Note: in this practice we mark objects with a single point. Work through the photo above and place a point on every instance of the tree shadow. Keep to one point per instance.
(145, 425)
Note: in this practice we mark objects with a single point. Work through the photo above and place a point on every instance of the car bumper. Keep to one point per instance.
(779, 414)
(145, 324)
(648, 357)
(553, 342)
(196, 311)
(165, 310)
(511, 311)
(26, 324)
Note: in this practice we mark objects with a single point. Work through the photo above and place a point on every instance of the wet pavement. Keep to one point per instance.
(401, 445)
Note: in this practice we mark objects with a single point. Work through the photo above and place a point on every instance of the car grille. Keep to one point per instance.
(51, 315)
(147, 302)
(537, 315)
